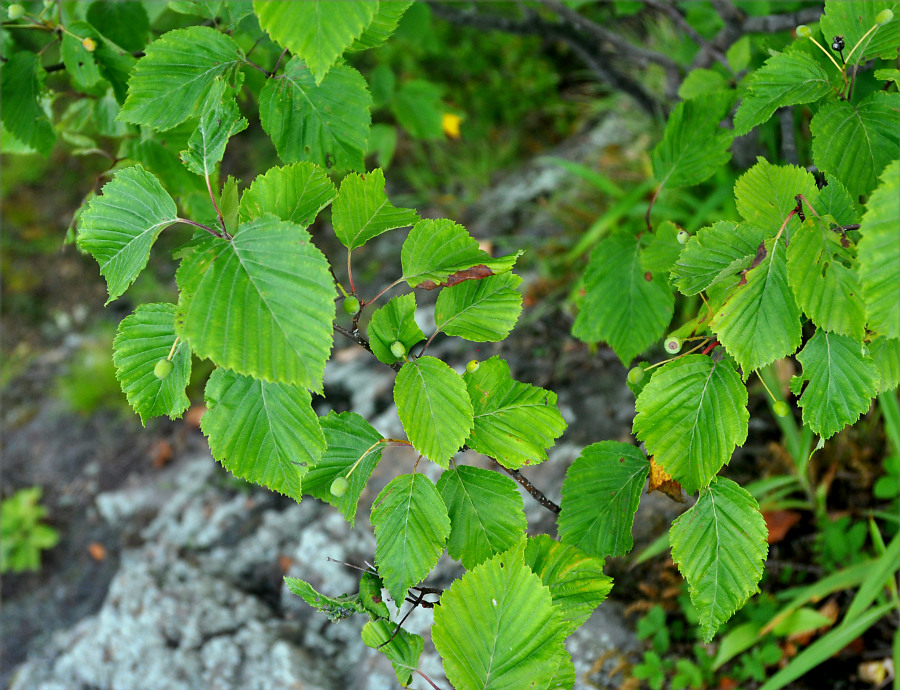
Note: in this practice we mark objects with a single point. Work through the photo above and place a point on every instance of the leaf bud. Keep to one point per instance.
(803, 31)
(163, 368)
(672, 345)
(636, 375)
(15, 11)
(884, 17)
(472, 366)
(398, 349)
(781, 408)
(339, 486)
(683, 236)
(351, 305)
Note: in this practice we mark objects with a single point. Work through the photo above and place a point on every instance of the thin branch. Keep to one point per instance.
(788, 142)
(535, 493)
(211, 231)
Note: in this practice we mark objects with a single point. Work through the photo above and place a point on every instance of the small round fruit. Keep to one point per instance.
(683, 236)
(163, 368)
(636, 375)
(339, 486)
(672, 345)
(881, 18)
(472, 366)
(803, 31)
(781, 408)
(90, 45)
(351, 305)
(398, 349)
(15, 11)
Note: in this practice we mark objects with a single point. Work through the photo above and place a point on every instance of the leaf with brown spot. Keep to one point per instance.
(662, 481)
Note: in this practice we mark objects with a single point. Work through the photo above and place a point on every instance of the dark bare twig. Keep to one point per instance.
(535, 493)
(788, 142)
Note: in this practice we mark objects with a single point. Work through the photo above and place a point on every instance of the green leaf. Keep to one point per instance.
(124, 23)
(434, 408)
(662, 249)
(852, 19)
(393, 322)
(486, 513)
(119, 227)
(142, 340)
(441, 252)
(171, 82)
(115, 66)
(855, 143)
(759, 321)
(228, 204)
(348, 437)
(691, 416)
(335, 608)
(411, 527)
(700, 82)
(885, 352)
(834, 200)
(220, 120)
(161, 159)
(362, 210)
(514, 422)
(693, 147)
(295, 193)
(21, 85)
(403, 649)
(715, 254)
(383, 24)
(879, 255)
(370, 586)
(325, 123)
(719, 546)
(842, 382)
(888, 75)
(622, 306)
(418, 108)
(600, 495)
(497, 627)
(317, 31)
(79, 61)
(266, 433)
(821, 272)
(785, 79)
(480, 310)
(764, 195)
(278, 325)
(576, 580)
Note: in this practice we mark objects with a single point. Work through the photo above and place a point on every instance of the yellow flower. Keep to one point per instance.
(450, 123)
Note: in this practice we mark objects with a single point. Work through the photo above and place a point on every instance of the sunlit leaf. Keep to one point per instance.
(21, 85)
(480, 310)
(362, 210)
(402, 648)
(295, 193)
(764, 195)
(394, 322)
(218, 123)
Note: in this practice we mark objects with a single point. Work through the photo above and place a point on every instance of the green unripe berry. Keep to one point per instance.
(803, 31)
(781, 408)
(881, 18)
(683, 236)
(163, 368)
(636, 375)
(339, 486)
(472, 366)
(351, 305)
(672, 345)
(90, 45)
(15, 11)
(398, 349)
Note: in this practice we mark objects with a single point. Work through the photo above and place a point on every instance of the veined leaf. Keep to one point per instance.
(842, 382)
(362, 210)
(879, 255)
(716, 254)
(394, 322)
(402, 648)
(789, 78)
(480, 310)
(760, 322)
(335, 608)
(170, 83)
(497, 627)
(852, 19)
(261, 304)
(693, 146)
(220, 120)
(347, 438)
(600, 496)
(124, 23)
(834, 200)
(21, 84)
(821, 272)
(719, 546)
(576, 580)
(885, 352)
(662, 248)
(691, 416)
(80, 63)
(370, 586)
(486, 513)
(317, 31)
(119, 227)
(295, 193)
(440, 252)
(266, 433)
(764, 195)
(142, 340)
(625, 306)
(700, 82)
(383, 24)
(325, 123)
(514, 422)
(411, 527)
(855, 143)
(434, 408)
